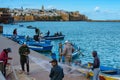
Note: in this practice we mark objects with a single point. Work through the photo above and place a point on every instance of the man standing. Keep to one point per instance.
(60, 49)
(37, 31)
(67, 52)
(14, 33)
(96, 65)
(24, 59)
(4, 57)
(48, 33)
(56, 72)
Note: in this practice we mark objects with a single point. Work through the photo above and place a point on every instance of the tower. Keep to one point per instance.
(42, 8)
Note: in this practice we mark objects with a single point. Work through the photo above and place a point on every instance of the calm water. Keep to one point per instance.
(103, 37)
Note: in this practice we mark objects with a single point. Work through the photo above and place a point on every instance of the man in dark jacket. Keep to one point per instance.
(24, 59)
(56, 72)
(96, 66)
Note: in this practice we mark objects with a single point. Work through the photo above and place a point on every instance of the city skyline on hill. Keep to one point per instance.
(94, 9)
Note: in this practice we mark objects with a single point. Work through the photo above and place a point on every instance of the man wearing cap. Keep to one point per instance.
(67, 52)
(24, 59)
(4, 57)
(56, 72)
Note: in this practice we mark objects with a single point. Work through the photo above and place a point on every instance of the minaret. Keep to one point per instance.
(22, 8)
(42, 8)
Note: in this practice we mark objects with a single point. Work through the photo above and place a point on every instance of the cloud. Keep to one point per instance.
(99, 13)
(50, 7)
(97, 9)
(102, 14)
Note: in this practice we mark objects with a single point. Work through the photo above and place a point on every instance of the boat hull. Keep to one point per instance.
(41, 48)
(107, 73)
(53, 37)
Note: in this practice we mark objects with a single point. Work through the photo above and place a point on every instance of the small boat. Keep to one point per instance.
(106, 73)
(21, 39)
(41, 48)
(77, 51)
(109, 73)
(52, 37)
(43, 45)
(33, 42)
(75, 54)
(40, 43)
(21, 25)
(103, 76)
(11, 36)
(31, 27)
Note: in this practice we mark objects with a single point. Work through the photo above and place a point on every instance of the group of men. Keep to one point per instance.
(67, 53)
(23, 52)
(56, 72)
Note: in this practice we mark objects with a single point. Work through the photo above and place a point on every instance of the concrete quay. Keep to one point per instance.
(39, 64)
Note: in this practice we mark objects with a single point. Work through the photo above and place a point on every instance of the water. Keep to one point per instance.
(104, 37)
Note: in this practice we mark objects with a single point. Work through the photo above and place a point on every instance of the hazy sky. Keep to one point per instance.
(94, 9)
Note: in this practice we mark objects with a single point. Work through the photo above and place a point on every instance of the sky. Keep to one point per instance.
(93, 9)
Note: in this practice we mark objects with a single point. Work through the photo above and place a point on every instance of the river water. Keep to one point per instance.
(104, 37)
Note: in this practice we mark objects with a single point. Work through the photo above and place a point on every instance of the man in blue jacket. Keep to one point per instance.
(56, 72)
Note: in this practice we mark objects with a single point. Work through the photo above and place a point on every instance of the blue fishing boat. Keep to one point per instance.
(21, 39)
(33, 42)
(11, 36)
(31, 27)
(41, 48)
(110, 71)
(75, 55)
(43, 45)
(77, 51)
(106, 73)
(53, 37)
(14, 37)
